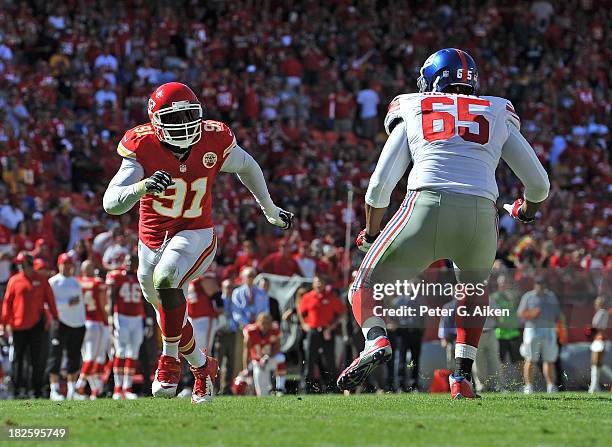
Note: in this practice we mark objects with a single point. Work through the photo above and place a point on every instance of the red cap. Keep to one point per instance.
(40, 264)
(21, 257)
(63, 259)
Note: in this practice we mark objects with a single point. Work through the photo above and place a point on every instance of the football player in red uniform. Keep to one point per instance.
(204, 306)
(169, 165)
(262, 348)
(125, 299)
(95, 344)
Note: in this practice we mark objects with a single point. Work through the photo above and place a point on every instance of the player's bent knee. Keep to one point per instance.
(165, 277)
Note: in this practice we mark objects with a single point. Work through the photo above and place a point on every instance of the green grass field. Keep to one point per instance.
(364, 420)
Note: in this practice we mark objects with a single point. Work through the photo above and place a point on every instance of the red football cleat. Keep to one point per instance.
(203, 388)
(375, 353)
(167, 377)
(461, 388)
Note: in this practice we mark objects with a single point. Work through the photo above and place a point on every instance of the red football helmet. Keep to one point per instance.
(176, 114)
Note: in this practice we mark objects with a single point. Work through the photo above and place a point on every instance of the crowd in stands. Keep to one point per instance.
(304, 85)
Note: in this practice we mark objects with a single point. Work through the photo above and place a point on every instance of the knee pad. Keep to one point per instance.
(165, 277)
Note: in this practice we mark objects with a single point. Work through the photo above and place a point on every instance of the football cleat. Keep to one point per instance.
(80, 396)
(117, 395)
(167, 377)
(130, 395)
(375, 353)
(203, 388)
(461, 388)
(54, 395)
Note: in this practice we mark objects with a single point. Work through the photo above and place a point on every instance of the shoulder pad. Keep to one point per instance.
(219, 136)
(394, 111)
(133, 139)
(512, 116)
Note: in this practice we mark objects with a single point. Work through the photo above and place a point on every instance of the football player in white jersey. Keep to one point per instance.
(455, 140)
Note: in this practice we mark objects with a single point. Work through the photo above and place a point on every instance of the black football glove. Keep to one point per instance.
(158, 182)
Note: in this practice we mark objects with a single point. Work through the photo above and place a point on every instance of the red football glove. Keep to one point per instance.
(516, 211)
(364, 241)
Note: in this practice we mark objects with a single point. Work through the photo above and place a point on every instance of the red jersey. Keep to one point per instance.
(129, 297)
(260, 344)
(93, 291)
(320, 310)
(199, 304)
(186, 205)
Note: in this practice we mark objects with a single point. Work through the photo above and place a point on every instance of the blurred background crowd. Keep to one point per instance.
(304, 85)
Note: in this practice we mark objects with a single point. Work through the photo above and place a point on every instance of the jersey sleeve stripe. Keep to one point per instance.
(124, 152)
(229, 148)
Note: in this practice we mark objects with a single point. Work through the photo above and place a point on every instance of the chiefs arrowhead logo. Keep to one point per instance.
(151, 105)
(209, 159)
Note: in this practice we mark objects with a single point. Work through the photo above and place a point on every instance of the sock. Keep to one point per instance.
(188, 347)
(372, 323)
(118, 367)
(362, 304)
(80, 384)
(70, 391)
(463, 367)
(55, 388)
(128, 374)
(594, 376)
(92, 380)
(469, 325)
(127, 382)
(280, 383)
(171, 323)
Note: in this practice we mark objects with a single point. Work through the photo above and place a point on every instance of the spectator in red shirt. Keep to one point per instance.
(320, 313)
(281, 262)
(27, 300)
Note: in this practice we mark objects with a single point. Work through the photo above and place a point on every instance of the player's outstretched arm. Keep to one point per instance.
(250, 174)
(392, 164)
(520, 156)
(127, 187)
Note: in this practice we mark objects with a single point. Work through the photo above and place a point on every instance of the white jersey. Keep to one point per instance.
(68, 299)
(455, 141)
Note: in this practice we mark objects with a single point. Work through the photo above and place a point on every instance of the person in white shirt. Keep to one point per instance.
(69, 334)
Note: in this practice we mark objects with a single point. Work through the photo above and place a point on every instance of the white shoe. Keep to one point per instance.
(129, 395)
(54, 395)
(279, 393)
(167, 377)
(552, 389)
(594, 389)
(117, 396)
(528, 389)
(185, 392)
(79, 396)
